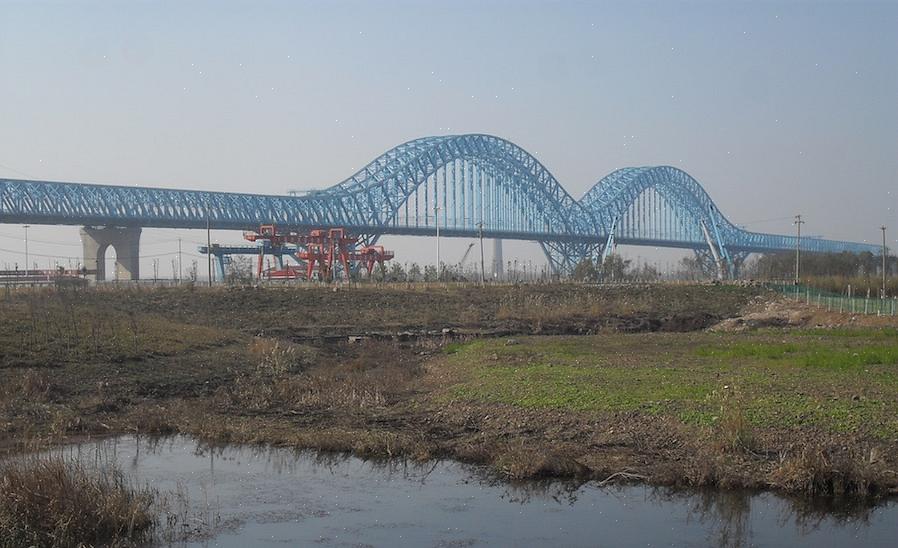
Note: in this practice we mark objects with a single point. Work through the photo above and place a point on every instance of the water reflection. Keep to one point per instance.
(726, 516)
(731, 517)
(275, 494)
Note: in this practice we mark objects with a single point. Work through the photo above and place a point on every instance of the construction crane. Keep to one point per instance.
(464, 257)
(323, 249)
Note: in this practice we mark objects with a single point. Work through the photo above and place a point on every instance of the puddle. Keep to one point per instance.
(278, 497)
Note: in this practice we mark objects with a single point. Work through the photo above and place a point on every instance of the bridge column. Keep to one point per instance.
(706, 263)
(126, 242)
(565, 256)
(498, 259)
(738, 258)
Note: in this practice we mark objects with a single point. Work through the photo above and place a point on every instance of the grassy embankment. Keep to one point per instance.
(812, 411)
(842, 380)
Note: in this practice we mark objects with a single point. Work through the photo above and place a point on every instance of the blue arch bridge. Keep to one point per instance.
(461, 185)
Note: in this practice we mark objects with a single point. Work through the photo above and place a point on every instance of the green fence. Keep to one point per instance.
(845, 302)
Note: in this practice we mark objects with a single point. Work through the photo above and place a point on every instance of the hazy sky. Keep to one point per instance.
(776, 108)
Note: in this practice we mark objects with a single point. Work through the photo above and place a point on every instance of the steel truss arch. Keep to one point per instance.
(463, 183)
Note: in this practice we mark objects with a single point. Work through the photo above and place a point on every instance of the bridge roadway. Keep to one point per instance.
(461, 184)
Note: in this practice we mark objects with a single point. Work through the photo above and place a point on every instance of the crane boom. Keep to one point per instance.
(465, 256)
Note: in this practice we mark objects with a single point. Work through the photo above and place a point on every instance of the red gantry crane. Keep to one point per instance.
(321, 248)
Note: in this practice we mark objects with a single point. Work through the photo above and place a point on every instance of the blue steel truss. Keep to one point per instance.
(461, 182)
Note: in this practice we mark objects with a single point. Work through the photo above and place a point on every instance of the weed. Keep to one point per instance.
(274, 358)
(832, 472)
(733, 433)
(37, 386)
(54, 502)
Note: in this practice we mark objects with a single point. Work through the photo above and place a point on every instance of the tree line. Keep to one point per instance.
(845, 265)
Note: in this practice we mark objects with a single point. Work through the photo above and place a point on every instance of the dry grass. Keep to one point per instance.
(517, 462)
(733, 432)
(370, 379)
(538, 307)
(30, 385)
(37, 386)
(53, 502)
(49, 329)
(274, 358)
(833, 472)
(156, 420)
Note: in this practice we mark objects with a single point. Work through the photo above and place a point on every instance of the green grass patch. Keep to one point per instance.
(844, 383)
(770, 351)
(581, 389)
(835, 353)
(850, 333)
(569, 373)
(850, 358)
(452, 348)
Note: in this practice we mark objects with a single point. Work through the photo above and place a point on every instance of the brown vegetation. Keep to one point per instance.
(53, 502)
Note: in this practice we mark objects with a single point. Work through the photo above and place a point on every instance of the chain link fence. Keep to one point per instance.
(847, 302)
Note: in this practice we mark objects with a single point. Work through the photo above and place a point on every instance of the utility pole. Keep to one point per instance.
(209, 246)
(480, 230)
(798, 222)
(26, 249)
(436, 214)
(884, 263)
(179, 261)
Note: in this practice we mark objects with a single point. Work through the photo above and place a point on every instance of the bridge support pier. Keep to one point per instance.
(498, 260)
(565, 256)
(708, 264)
(738, 258)
(126, 242)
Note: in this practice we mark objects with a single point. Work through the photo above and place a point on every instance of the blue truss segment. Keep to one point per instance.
(474, 178)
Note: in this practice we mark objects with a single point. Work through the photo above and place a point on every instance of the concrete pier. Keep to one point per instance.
(126, 242)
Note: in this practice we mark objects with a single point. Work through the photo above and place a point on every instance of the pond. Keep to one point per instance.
(247, 496)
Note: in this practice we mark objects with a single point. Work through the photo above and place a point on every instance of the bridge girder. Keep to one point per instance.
(460, 182)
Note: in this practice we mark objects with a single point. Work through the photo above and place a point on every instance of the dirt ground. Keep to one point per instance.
(678, 385)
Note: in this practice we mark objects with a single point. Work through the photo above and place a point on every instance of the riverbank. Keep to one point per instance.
(234, 496)
(608, 384)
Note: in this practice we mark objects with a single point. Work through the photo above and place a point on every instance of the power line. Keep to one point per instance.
(22, 253)
(32, 240)
(142, 244)
(160, 242)
(78, 258)
(767, 220)
(22, 173)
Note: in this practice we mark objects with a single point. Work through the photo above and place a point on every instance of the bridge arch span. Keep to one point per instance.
(472, 176)
(614, 194)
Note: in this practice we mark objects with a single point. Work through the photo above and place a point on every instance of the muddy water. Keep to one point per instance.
(276, 497)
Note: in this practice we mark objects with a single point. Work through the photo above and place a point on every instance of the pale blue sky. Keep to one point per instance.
(777, 107)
